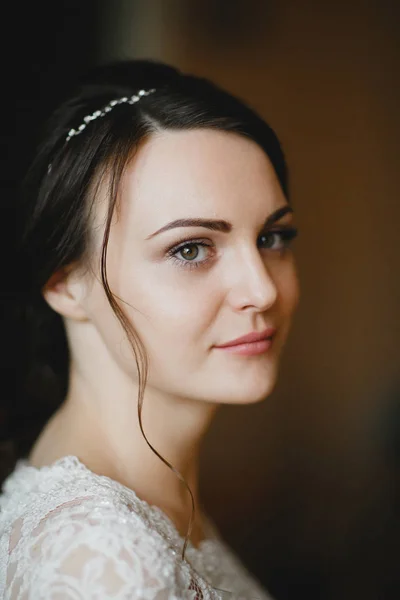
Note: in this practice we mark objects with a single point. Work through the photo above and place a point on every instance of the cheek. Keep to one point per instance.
(173, 314)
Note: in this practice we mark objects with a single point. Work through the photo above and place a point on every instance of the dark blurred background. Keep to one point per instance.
(305, 486)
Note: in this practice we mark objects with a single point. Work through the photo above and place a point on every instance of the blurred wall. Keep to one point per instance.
(304, 475)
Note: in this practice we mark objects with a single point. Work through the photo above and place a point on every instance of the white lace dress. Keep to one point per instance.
(69, 534)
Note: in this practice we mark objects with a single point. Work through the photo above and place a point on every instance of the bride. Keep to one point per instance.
(158, 276)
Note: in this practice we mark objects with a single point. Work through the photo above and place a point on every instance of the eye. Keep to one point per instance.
(281, 237)
(190, 252)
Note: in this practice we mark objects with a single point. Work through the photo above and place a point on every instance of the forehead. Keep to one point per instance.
(197, 173)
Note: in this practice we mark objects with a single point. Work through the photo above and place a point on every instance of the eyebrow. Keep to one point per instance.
(218, 225)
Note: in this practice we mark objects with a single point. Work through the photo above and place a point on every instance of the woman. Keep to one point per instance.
(156, 233)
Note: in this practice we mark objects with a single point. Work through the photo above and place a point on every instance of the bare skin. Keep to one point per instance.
(179, 313)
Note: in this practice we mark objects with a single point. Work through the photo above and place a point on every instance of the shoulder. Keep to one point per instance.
(84, 536)
(61, 490)
(93, 550)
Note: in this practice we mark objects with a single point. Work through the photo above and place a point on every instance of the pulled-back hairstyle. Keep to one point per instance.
(54, 212)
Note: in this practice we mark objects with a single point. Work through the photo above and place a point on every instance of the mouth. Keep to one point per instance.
(251, 337)
(249, 348)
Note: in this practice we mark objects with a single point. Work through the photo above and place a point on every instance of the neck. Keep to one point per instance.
(106, 437)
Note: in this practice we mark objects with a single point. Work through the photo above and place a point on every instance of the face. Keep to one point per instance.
(187, 289)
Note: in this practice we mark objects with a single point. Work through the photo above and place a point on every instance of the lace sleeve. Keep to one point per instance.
(85, 549)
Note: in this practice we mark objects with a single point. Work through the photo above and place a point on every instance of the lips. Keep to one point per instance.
(250, 337)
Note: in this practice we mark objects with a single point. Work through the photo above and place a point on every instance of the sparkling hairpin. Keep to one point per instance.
(106, 109)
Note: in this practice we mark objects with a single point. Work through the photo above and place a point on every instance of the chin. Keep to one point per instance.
(252, 394)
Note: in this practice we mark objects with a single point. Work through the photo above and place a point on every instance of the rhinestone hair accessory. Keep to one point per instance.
(106, 109)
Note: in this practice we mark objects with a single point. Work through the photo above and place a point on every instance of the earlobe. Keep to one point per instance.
(64, 293)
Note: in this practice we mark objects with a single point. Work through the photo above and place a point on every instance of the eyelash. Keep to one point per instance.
(287, 235)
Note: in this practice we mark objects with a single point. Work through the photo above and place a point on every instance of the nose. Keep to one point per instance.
(252, 284)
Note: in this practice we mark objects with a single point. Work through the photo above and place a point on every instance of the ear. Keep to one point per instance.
(64, 292)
